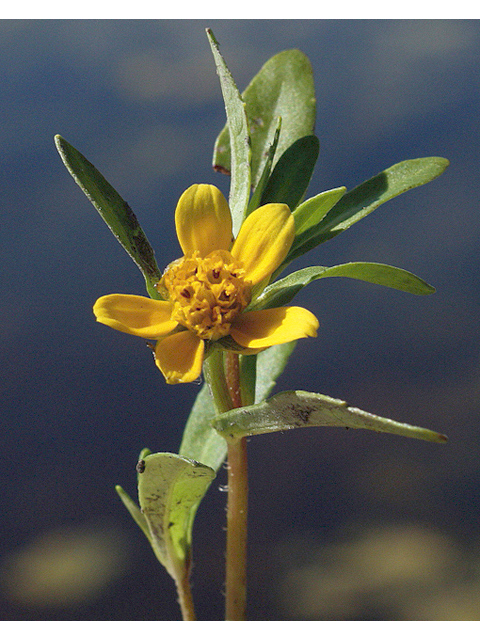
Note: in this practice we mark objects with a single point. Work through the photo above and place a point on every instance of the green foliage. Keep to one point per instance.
(114, 210)
(283, 88)
(283, 291)
(294, 409)
(200, 440)
(238, 134)
(134, 511)
(130, 505)
(256, 198)
(270, 365)
(292, 173)
(365, 198)
(310, 213)
(170, 488)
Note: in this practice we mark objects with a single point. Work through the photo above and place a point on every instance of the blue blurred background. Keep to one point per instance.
(343, 524)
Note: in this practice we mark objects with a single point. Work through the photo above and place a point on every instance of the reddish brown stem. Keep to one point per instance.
(236, 564)
(232, 375)
(236, 560)
(185, 597)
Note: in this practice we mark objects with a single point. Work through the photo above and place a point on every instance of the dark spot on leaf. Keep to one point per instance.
(301, 413)
(220, 169)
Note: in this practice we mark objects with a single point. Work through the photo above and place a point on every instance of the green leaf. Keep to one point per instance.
(238, 136)
(170, 488)
(267, 169)
(114, 210)
(292, 173)
(283, 291)
(365, 198)
(283, 88)
(130, 505)
(247, 364)
(200, 441)
(134, 511)
(309, 214)
(294, 409)
(270, 365)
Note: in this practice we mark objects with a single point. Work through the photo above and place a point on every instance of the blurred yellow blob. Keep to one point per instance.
(63, 567)
(396, 572)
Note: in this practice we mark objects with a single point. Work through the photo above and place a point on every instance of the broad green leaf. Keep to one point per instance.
(292, 173)
(170, 488)
(283, 291)
(114, 210)
(238, 136)
(294, 409)
(365, 198)
(283, 88)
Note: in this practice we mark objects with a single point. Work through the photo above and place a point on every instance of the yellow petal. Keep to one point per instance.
(264, 240)
(264, 328)
(180, 357)
(137, 315)
(203, 220)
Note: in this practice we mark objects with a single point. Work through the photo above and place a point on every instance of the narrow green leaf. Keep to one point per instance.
(313, 210)
(294, 409)
(114, 210)
(292, 173)
(247, 364)
(365, 198)
(283, 88)
(134, 511)
(309, 214)
(144, 453)
(267, 170)
(132, 508)
(200, 441)
(170, 488)
(283, 291)
(270, 365)
(238, 136)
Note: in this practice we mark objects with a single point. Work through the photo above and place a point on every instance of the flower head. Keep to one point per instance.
(206, 293)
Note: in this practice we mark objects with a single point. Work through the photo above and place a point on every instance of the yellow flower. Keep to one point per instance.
(207, 292)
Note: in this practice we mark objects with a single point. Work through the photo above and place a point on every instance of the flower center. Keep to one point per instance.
(208, 293)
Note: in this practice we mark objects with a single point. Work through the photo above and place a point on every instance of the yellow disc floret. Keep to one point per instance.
(208, 293)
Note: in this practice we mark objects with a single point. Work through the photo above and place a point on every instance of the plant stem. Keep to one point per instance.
(223, 375)
(185, 599)
(214, 371)
(232, 377)
(236, 560)
(237, 505)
